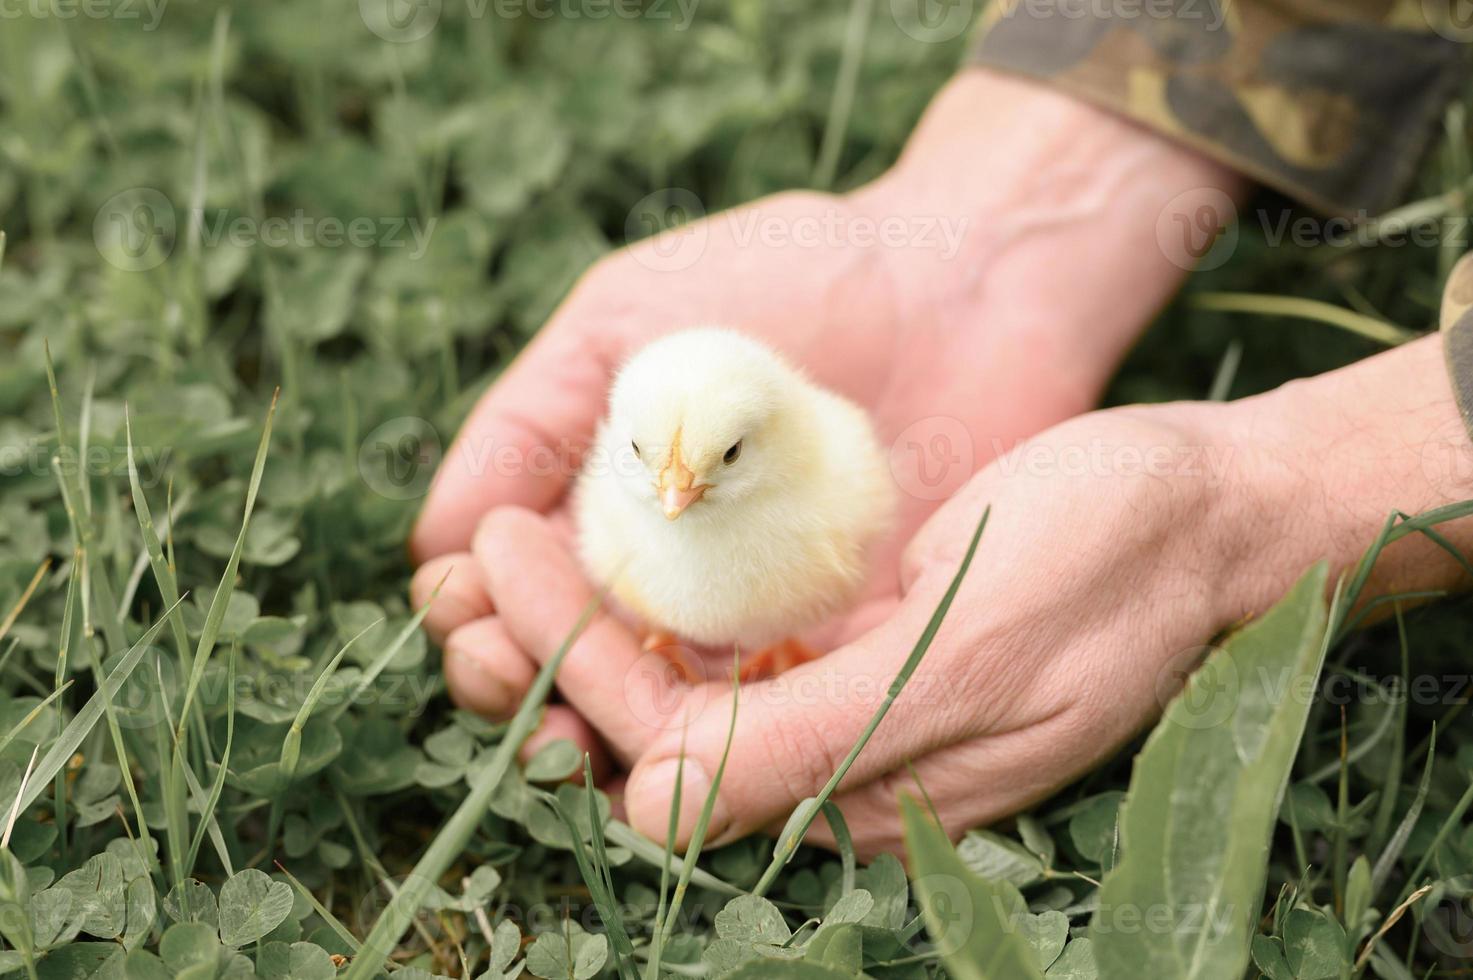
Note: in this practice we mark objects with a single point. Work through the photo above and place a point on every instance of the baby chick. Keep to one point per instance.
(730, 500)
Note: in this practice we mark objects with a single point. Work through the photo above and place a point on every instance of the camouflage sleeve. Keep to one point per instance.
(1331, 101)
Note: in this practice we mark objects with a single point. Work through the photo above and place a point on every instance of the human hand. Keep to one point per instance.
(965, 347)
(1119, 543)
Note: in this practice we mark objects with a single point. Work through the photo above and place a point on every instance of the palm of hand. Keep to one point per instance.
(946, 388)
(945, 397)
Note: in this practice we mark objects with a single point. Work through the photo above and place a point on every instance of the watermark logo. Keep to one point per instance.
(135, 229)
(138, 229)
(933, 21)
(1204, 702)
(1448, 925)
(1453, 19)
(932, 458)
(407, 21)
(665, 688)
(400, 21)
(1198, 229)
(398, 459)
(951, 916)
(668, 225)
(149, 12)
(671, 229)
(1447, 459)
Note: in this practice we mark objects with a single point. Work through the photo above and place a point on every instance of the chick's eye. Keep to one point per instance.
(732, 453)
(634, 446)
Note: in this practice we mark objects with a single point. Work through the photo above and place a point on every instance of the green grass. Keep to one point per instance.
(225, 746)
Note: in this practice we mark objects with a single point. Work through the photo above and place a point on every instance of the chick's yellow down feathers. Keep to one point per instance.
(729, 499)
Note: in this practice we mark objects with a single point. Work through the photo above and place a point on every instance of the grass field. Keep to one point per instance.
(225, 747)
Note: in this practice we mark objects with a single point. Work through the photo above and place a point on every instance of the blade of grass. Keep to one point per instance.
(70, 637)
(1381, 870)
(845, 842)
(16, 808)
(373, 864)
(1227, 371)
(322, 911)
(654, 855)
(1340, 841)
(703, 822)
(75, 493)
(215, 617)
(1362, 747)
(207, 812)
(120, 749)
(1306, 309)
(163, 574)
(657, 945)
(291, 745)
(841, 105)
(450, 842)
(1454, 819)
(1386, 806)
(600, 885)
(25, 597)
(66, 744)
(807, 811)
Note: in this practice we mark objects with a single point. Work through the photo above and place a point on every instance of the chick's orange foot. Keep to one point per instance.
(781, 656)
(666, 645)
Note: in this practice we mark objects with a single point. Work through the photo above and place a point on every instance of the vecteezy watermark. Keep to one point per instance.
(1198, 229)
(666, 687)
(933, 21)
(147, 12)
(1098, 458)
(1201, 229)
(1211, 15)
(138, 229)
(151, 697)
(1361, 229)
(1448, 921)
(41, 460)
(669, 686)
(407, 21)
(1452, 19)
(1447, 459)
(672, 229)
(932, 458)
(1203, 701)
(1198, 698)
(398, 459)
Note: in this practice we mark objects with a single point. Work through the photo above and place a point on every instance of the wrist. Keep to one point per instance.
(1324, 461)
(1062, 206)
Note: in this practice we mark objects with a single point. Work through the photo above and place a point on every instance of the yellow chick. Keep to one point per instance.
(729, 499)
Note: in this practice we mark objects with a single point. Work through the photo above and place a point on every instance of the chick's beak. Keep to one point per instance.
(678, 488)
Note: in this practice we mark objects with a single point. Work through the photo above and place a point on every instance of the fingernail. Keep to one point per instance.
(650, 792)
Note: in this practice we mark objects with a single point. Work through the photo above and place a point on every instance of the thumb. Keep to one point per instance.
(520, 444)
(792, 732)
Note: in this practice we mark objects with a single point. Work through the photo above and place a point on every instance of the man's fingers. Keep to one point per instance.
(521, 443)
(541, 593)
(792, 732)
(462, 595)
(485, 669)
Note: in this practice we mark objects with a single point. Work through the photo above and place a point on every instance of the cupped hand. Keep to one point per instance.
(979, 292)
(1119, 543)
(1089, 576)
